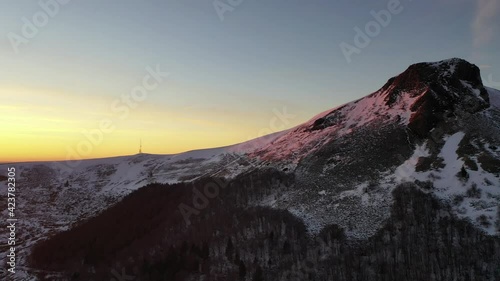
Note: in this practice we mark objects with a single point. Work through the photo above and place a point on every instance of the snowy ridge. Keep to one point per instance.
(371, 109)
(131, 172)
(343, 176)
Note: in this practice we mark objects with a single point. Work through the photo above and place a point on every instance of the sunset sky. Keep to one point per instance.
(232, 76)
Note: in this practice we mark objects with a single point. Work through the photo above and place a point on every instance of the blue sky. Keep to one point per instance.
(233, 72)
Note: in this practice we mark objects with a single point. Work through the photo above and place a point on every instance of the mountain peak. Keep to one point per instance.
(418, 99)
(450, 69)
(452, 85)
(449, 73)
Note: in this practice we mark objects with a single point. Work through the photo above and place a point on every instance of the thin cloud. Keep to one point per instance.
(485, 22)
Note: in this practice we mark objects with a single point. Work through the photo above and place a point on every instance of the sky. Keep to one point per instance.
(89, 79)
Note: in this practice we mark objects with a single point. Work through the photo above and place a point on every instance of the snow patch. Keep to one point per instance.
(475, 198)
(406, 171)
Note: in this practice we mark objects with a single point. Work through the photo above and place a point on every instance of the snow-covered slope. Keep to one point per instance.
(52, 196)
(434, 126)
(402, 100)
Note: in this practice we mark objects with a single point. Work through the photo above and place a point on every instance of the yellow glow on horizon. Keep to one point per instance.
(47, 125)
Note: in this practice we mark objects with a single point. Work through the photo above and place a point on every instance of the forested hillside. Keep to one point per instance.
(146, 236)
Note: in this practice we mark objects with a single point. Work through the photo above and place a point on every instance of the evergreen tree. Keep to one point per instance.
(229, 249)
(258, 275)
(242, 270)
(205, 251)
(286, 248)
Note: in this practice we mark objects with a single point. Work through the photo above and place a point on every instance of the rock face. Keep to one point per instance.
(449, 87)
